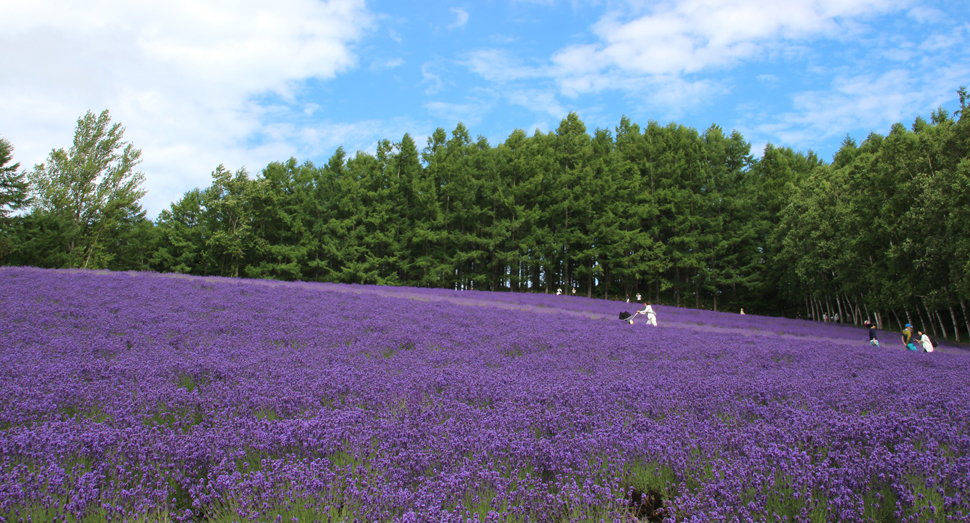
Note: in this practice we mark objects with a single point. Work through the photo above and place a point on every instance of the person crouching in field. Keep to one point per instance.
(872, 335)
(925, 341)
(908, 340)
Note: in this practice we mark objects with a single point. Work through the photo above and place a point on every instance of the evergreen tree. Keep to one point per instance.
(13, 194)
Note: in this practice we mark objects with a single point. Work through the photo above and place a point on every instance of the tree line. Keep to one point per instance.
(682, 217)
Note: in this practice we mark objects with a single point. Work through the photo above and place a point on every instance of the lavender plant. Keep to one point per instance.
(145, 397)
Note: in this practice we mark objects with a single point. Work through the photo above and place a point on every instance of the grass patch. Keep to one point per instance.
(175, 417)
(58, 509)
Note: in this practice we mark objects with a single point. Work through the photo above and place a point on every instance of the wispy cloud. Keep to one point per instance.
(863, 102)
(468, 113)
(697, 35)
(923, 14)
(671, 57)
(538, 100)
(499, 65)
(389, 63)
(432, 79)
(461, 18)
(666, 42)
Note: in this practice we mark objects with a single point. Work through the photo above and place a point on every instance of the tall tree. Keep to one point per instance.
(13, 192)
(231, 202)
(92, 187)
(571, 203)
(181, 233)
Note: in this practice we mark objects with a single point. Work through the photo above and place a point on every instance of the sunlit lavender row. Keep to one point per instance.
(146, 397)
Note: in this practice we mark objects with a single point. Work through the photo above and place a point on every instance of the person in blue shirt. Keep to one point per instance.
(908, 340)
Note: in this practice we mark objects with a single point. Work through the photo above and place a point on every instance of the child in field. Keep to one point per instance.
(872, 335)
(925, 342)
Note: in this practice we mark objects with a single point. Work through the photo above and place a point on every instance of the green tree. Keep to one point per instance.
(13, 193)
(93, 188)
(231, 202)
(570, 205)
(181, 233)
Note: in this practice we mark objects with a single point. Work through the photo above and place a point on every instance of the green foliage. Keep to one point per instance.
(676, 215)
(13, 194)
(92, 190)
(45, 512)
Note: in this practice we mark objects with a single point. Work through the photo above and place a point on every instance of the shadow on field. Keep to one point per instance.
(646, 505)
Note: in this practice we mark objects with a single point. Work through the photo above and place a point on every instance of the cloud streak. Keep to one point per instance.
(461, 18)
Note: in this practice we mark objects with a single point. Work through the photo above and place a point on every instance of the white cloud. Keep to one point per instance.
(461, 18)
(500, 66)
(670, 57)
(389, 63)
(499, 38)
(867, 102)
(470, 113)
(666, 54)
(322, 139)
(181, 75)
(538, 100)
(435, 85)
(698, 35)
(923, 14)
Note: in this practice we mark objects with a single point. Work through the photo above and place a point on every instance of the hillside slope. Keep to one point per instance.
(186, 398)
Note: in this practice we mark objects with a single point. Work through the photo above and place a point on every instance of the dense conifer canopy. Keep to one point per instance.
(681, 216)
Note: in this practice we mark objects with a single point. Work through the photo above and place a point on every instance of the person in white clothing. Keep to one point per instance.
(648, 311)
(925, 340)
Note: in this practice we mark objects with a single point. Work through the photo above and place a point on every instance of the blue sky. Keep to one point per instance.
(242, 83)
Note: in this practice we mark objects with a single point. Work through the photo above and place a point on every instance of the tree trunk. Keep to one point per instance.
(909, 318)
(93, 245)
(838, 303)
(677, 288)
(853, 308)
(942, 327)
(956, 326)
(930, 314)
(697, 290)
(607, 280)
(966, 318)
(899, 322)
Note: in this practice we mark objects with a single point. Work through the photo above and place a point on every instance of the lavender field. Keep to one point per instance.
(149, 397)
